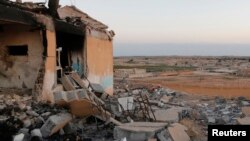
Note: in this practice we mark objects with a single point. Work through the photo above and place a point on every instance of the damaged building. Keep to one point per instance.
(40, 47)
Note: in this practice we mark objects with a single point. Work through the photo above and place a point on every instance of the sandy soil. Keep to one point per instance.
(201, 81)
(208, 85)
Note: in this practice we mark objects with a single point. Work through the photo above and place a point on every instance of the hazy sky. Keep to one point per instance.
(172, 23)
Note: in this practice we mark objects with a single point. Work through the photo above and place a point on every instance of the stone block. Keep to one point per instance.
(246, 111)
(97, 88)
(170, 115)
(243, 121)
(138, 131)
(165, 99)
(127, 103)
(178, 132)
(55, 123)
(60, 97)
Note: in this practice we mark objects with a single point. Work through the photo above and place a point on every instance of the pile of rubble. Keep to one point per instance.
(24, 119)
(170, 107)
(152, 112)
(133, 113)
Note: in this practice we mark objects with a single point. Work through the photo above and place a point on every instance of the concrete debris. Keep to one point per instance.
(224, 112)
(245, 103)
(60, 97)
(55, 123)
(165, 99)
(246, 111)
(138, 131)
(19, 137)
(36, 133)
(138, 112)
(122, 116)
(211, 120)
(97, 88)
(170, 115)
(243, 121)
(126, 103)
(152, 139)
(163, 136)
(67, 83)
(178, 132)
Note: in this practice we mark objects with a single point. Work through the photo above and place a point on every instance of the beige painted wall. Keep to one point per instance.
(20, 71)
(100, 62)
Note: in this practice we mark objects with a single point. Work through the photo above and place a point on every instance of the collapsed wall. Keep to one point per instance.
(21, 52)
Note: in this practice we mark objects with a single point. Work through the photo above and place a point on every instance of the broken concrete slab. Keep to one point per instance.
(75, 76)
(163, 136)
(152, 139)
(19, 137)
(55, 123)
(211, 120)
(36, 133)
(170, 115)
(60, 97)
(178, 132)
(82, 99)
(82, 94)
(97, 88)
(127, 103)
(165, 99)
(245, 103)
(71, 96)
(90, 107)
(67, 83)
(138, 131)
(246, 111)
(243, 121)
(64, 97)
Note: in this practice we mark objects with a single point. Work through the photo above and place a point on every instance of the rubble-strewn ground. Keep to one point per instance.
(145, 110)
(196, 111)
(213, 89)
(22, 117)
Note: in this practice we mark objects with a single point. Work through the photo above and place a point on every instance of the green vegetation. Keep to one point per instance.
(156, 68)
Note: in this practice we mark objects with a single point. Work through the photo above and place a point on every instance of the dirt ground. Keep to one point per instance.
(208, 85)
(198, 81)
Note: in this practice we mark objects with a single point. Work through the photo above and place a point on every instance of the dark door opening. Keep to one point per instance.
(70, 45)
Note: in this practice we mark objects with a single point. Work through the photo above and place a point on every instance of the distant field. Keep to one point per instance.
(155, 68)
(192, 74)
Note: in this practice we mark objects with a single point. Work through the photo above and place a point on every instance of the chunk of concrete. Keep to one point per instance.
(243, 121)
(36, 133)
(55, 123)
(165, 99)
(19, 137)
(170, 115)
(127, 103)
(71, 96)
(178, 132)
(163, 136)
(60, 97)
(82, 94)
(67, 84)
(211, 120)
(138, 131)
(152, 139)
(75, 76)
(246, 111)
(97, 88)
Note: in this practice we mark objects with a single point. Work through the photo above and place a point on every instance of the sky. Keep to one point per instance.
(173, 27)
